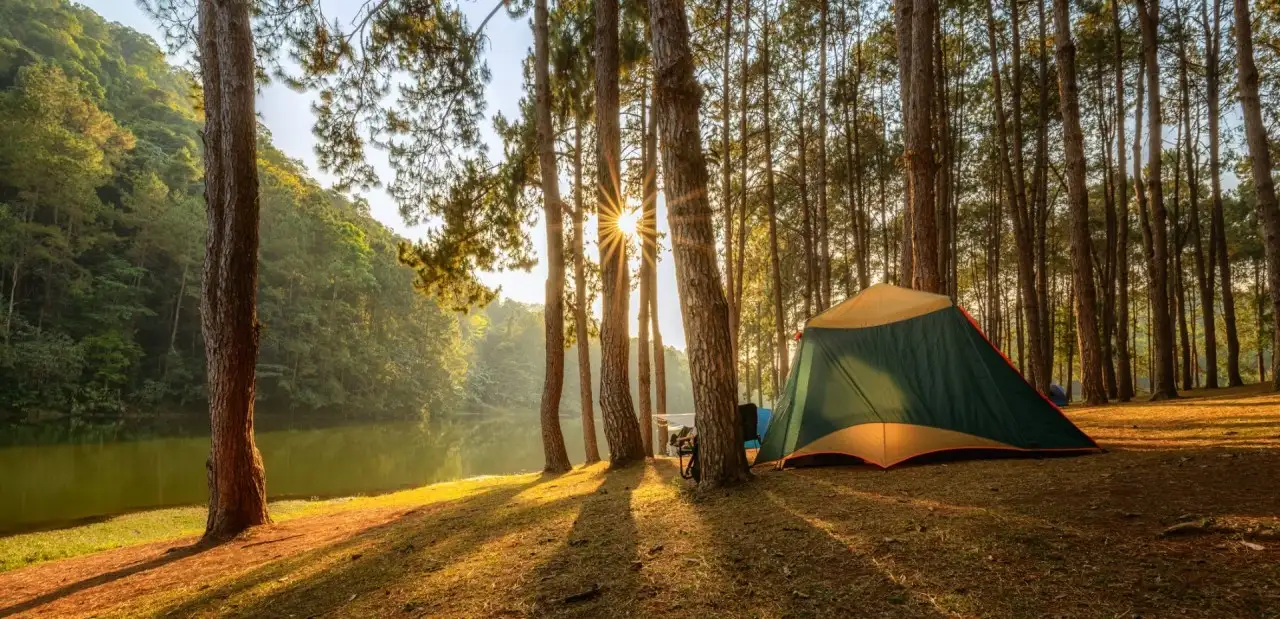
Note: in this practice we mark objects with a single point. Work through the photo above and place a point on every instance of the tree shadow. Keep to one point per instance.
(171, 555)
(999, 540)
(602, 543)
(768, 560)
(326, 578)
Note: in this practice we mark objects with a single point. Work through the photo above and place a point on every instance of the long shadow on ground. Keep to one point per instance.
(603, 538)
(172, 555)
(767, 560)
(329, 578)
(1078, 537)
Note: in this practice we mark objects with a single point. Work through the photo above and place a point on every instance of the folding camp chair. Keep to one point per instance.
(747, 415)
(689, 447)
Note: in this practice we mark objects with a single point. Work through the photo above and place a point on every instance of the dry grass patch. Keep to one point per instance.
(1064, 537)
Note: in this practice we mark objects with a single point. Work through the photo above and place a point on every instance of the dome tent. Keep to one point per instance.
(892, 374)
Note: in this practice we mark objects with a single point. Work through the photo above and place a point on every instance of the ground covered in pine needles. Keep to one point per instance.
(1181, 518)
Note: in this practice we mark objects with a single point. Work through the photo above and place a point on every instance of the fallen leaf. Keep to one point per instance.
(1252, 546)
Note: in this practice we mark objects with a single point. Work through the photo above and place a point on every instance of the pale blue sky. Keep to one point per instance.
(289, 117)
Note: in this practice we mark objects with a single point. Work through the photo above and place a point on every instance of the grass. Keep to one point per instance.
(1066, 537)
(28, 549)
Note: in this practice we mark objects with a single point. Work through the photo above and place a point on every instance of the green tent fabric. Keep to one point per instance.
(893, 374)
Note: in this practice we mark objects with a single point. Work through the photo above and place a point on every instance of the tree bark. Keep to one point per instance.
(1260, 291)
(553, 450)
(703, 306)
(173, 325)
(1178, 298)
(806, 212)
(1124, 378)
(621, 430)
(743, 143)
(648, 253)
(823, 228)
(1260, 155)
(589, 442)
(1038, 370)
(770, 199)
(853, 155)
(659, 365)
(1107, 274)
(1218, 228)
(726, 170)
(1085, 296)
(228, 307)
(1204, 280)
(921, 168)
(942, 170)
(904, 10)
(1039, 217)
(1164, 386)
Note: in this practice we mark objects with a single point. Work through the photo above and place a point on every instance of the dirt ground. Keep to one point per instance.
(1181, 518)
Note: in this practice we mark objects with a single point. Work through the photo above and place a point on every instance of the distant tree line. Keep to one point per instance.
(102, 240)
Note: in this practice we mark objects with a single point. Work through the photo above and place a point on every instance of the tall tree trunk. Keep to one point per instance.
(1038, 370)
(1204, 280)
(228, 307)
(1165, 386)
(726, 171)
(853, 240)
(743, 142)
(1144, 216)
(853, 153)
(1259, 153)
(904, 10)
(1078, 198)
(703, 307)
(1107, 274)
(659, 364)
(1218, 228)
(1124, 380)
(921, 168)
(1179, 297)
(1040, 186)
(553, 450)
(780, 376)
(648, 253)
(580, 306)
(802, 181)
(1260, 292)
(823, 228)
(173, 325)
(616, 408)
(1071, 348)
(882, 172)
(943, 179)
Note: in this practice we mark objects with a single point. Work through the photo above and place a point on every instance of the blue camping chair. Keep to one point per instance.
(755, 421)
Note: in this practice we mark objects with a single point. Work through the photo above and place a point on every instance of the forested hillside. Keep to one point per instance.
(101, 244)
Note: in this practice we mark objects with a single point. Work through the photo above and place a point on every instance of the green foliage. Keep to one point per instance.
(101, 243)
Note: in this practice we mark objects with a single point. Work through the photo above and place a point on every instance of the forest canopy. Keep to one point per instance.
(101, 244)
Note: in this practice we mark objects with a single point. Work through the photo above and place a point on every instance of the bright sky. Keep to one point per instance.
(289, 117)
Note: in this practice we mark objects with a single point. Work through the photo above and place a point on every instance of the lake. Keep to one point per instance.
(50, 485)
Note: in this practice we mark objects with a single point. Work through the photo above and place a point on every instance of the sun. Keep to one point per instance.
(629, 222)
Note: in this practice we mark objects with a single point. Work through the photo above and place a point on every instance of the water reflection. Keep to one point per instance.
(45, 485)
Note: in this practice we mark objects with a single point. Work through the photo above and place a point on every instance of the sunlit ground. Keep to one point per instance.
(1065, 537)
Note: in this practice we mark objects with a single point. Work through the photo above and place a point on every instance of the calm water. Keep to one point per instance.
(47, 485)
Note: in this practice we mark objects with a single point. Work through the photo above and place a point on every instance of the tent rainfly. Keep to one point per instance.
(893, 374)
